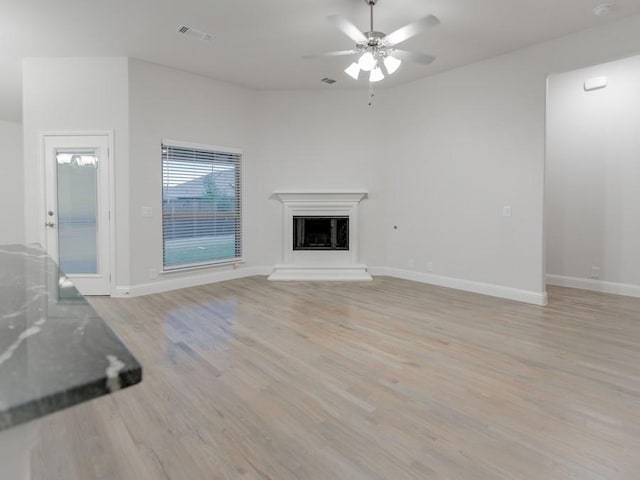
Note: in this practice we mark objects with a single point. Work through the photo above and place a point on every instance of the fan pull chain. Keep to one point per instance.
(371, 95)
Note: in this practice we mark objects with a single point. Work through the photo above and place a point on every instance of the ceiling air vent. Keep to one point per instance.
(328, 80)
(197, 34)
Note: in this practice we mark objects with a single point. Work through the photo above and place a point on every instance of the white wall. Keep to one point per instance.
(166, 103)
(593, 174)
(77, 94)
(467, 142)
(11, 183)
(440, 156)
(290, 139)
(320, 140)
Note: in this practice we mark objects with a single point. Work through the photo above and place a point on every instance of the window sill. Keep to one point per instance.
(235, 262)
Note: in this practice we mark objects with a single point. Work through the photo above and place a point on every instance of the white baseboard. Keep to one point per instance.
(526, 296)
(626, 289)
(166, 284)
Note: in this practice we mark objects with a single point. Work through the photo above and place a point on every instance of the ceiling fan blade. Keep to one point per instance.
(348, 28)
(414, 56)
(330, 54)
(408, 31)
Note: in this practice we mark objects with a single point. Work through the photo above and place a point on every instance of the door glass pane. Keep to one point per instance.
(77, 210)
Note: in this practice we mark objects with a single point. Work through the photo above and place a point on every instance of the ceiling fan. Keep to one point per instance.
(376, 49)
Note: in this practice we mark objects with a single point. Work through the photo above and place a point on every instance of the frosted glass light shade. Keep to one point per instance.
(376, 75)
(353, 70)
(367, 61)
(391, 64)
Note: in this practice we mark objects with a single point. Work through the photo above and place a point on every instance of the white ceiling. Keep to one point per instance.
(259, 44)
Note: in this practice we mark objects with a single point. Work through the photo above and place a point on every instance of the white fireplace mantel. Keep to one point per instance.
(326, 264)
(313, 196)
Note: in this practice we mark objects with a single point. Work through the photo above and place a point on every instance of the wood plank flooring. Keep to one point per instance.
(251, 379)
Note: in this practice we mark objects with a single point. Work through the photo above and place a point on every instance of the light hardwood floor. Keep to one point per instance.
(251, 379)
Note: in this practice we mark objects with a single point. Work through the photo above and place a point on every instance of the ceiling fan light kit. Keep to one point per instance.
(367, 62)
(391, 64)
(376, 75)
(376, 49)
(353, 70)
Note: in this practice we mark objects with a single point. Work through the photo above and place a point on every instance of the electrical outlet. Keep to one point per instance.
(146, 211)
(595, 272)
(429, 266)
(153, 273)
(411, 263)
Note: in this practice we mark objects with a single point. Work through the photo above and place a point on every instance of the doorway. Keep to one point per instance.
(77, 210)
(592, 187)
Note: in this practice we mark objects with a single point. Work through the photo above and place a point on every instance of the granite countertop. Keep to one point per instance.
(55, 351)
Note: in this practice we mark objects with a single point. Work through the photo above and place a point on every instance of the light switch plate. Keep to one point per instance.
(146, 211)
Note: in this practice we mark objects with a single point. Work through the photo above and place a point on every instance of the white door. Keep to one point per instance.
(77, 209)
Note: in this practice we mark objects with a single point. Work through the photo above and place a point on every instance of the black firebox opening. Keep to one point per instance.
(320, 233)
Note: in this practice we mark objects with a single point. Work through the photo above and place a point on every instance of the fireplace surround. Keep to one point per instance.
(320, 233)
(320, 236)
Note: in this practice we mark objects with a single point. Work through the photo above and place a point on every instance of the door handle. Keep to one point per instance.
(50, 224)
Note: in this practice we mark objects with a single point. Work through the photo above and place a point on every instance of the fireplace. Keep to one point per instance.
(320, 236)
(320, 233)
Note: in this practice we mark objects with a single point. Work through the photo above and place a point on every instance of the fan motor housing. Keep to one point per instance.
(374, 38)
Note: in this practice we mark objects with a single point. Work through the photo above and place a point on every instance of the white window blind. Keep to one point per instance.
(201, 206)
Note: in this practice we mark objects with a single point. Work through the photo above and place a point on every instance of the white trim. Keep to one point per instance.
(199, 266)
(201, 146)
(500, 291)
(602, 286)
(111, 154)
(167, 284)
(292, 209)
(320, 265)
(110, 134)
(310, 196)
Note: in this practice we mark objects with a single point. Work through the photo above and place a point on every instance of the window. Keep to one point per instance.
(201, 205)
